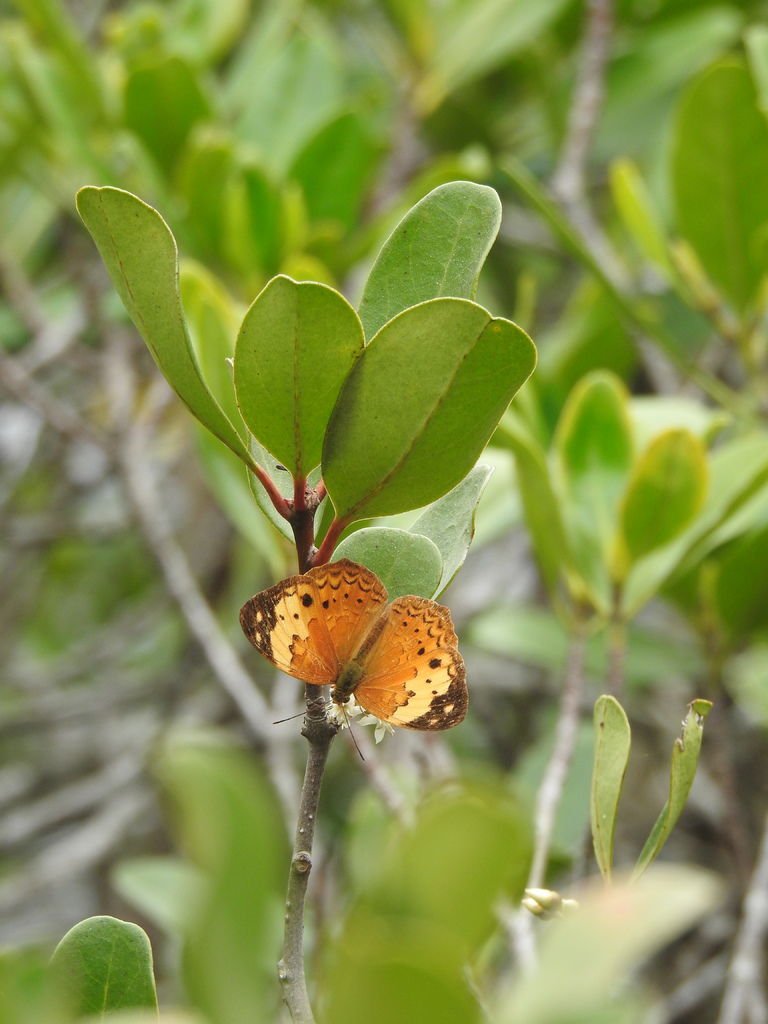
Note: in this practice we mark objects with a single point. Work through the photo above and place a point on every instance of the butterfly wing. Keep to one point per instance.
(414, 676)
(309, 625)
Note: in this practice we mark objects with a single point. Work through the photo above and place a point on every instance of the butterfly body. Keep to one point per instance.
(333, 626)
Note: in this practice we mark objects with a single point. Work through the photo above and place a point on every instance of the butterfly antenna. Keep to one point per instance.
(290, 718)
(352, 735)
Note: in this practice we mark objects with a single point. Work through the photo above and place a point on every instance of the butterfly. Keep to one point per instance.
(333, 626)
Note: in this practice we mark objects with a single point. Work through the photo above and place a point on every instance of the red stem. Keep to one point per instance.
(324, 552)
(280, 503)
(320, 491)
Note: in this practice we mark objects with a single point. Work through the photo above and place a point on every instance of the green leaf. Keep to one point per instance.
(427, 907)
(165, 889)
(282, 481)
(230, 828)
(254, 224)
(475, 38)
(419, 406)
(239, 493)
(212, 322)
(592, 952)
(738, 473)
(540, 504)
(450, 523)
(206, 29)
(636, 209)
(666, 490)
(653, 414)
(296, 346)
(106, 965)
(740, 588)
(719, 167)
(685, 758)
(613, 739)
(536, 637)
(334, 168)
(595, 449)
(756, 42)
(28, 992)
(437, 249)
(163, 101)
(406, 563)
(140, 254)
(290, 90)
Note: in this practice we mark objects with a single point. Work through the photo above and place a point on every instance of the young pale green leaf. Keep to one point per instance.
(613, 739)
(594, 444)
(163, 101)
(106, 965)
(437, 249)
(334, 168)
(738, 472)
(140, 254)
(406, 563)
(282, 481)
(636, 209)
(595, 449)
(540, 505)
(685, 758)
(740, 587)
(756, 42)
(426, 908)
(231, 829)
(212, 321)
(297, 344)
(237, 490)
(165, 889)
(592, 952)
(474, 38)
(666, 490)
(719, 167)
(419, 406)
(450, 523)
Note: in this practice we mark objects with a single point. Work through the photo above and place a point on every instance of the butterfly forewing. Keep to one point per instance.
(414, 675)
(309, 626)
(351, 598)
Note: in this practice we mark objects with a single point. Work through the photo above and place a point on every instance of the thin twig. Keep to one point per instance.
(744, 1000)
(519, 924)
(569, 179)
(319, 733)
(182, 585)
(551, 788)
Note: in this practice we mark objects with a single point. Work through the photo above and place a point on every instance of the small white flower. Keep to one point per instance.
(340, 714)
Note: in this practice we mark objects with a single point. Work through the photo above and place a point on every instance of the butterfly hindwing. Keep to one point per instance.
(414, 676)
(310, 625)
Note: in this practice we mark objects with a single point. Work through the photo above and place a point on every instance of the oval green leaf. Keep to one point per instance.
(450, 523)
(595, 448)
(229, 825)
(141, 256)
(106, 964)
(437, 249)
(542, 510)
(296, 345)
(685, 759)
(613, 739)
(667, 489)
(719, 169)
(419, 406)
(406, 563)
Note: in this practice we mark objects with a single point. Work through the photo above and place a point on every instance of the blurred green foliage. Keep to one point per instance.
(289, 137)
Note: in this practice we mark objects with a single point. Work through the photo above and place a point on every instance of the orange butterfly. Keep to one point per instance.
(333, 626)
